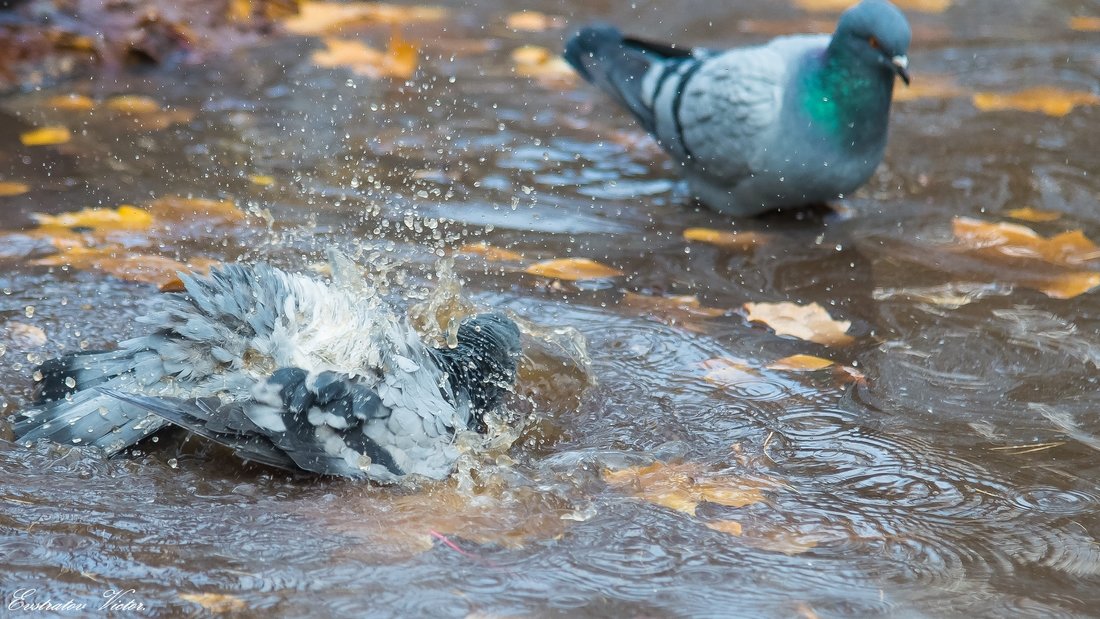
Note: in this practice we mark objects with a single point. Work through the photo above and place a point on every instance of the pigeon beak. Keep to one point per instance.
(901, 67)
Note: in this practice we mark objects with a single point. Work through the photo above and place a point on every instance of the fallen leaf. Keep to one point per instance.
(846, 374)
(239, 10)
(1070, 248)
(533, 21)
(806, 322)
(13, 188)
(124, 264)
(46, 136)
(25, 336)
(71, 103)
(319, 18)
(682, 487)
(262, 180)
(1085, 24)
(545, 66)
(491, 253)
(399, 59)
(730, 527)
(195, 210)
(125, 217)
(1064, 285)
(1048, 100)
(786, 542)
(922, 6)
(929, 87)
(133, 104)
(573, 269)
(725, 238)
(217, 603)
(674, 310)
(1033, 215)
(723, 371)
(801, 363)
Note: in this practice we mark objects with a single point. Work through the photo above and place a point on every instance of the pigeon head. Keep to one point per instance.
(483, 365)
(877, 33)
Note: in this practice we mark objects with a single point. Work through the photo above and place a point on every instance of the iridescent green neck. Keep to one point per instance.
(845, 98)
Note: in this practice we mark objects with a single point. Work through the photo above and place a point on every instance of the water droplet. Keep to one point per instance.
(29, 311)
(70, 382)
(173, 463)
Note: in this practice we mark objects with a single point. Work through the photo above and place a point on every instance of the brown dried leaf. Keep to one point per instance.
(730, 527)
(319, 18)
(801, 363)
(46, 136)
(124, 264)
(490, 252)
(125, 217)
(13, 188)
(399, 59)
(189, 210)
(683, 310)
(806, 322)
(546, 67)
(216, 603)
(533, 21)
(573, 269)
(1033, 215)
(1048, 100)
(684, 486)
(1070, 248)
(1085, 24)
(726, 239)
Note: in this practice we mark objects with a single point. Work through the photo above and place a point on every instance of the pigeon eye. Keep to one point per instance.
(873, 42)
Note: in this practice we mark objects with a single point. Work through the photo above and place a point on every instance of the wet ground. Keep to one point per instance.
(956, 476)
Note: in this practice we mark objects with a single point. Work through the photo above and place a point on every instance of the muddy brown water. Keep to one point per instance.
(957, 479)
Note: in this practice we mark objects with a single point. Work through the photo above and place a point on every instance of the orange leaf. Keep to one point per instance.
(71, 103)
(125, 217)
(46, 136)
(195, 210)
(13, 188)
(123, 264)
(682, 487)
(1085, 24)
(923, 6)
(398, 60)
(725, 238)
(533, 21)
(133, 104)
(1065, 285)
(806, 322)
(1034, 215)
(319, 18)
(548, 68)
(801, 363)
(489, 252)
(1048, 100)
(573, 269)
(1016, 241)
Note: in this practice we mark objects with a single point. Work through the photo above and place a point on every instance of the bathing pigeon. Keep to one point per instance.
(285, 370)
(798, 121)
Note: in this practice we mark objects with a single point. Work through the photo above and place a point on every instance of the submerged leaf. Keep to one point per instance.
(806, 322)
(683, 310)
(1070, 248)
(125, 217)
(46, 136)
(319, 18)
(801, 363)
(399, 59)
(195, 210)
(13, 188)
(573, 269)
(1033, 215)
(533, 21)
(545, 66)
(1048, 100)
(930, 87)
(215, 602)
(71, 103)
(133, 104)
(730, 527)
(490, 252)
(124, 264)
(684, 486)
(263, 180)
(725, 238)
(1085, 24)
(25, 336)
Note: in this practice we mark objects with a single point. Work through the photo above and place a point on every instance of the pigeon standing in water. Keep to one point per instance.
(287, 371)
(798, 121)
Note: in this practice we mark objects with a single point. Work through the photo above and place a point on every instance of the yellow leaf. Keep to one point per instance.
(1016, 241)
(398, 60)
(133, 104)
(726, 526)
(1033, 214)
(533, 21)
(1065, 285)
(13, 188)
(239, 10)
(1048, 100)
(801, 363)
(71, 103)
(217, 603)
(573, 269)
(489, 252)
(682, 487)
(929, 87)
(319, 18)
(545, 66)
(122, 263)
(922, 6)
(1085, 24)
(46, 136)
(262, 180)
(125, 217)
(806, 322)
(725, 238)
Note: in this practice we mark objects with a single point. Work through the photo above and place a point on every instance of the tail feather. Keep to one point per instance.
(87, 418)
(618, 65)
